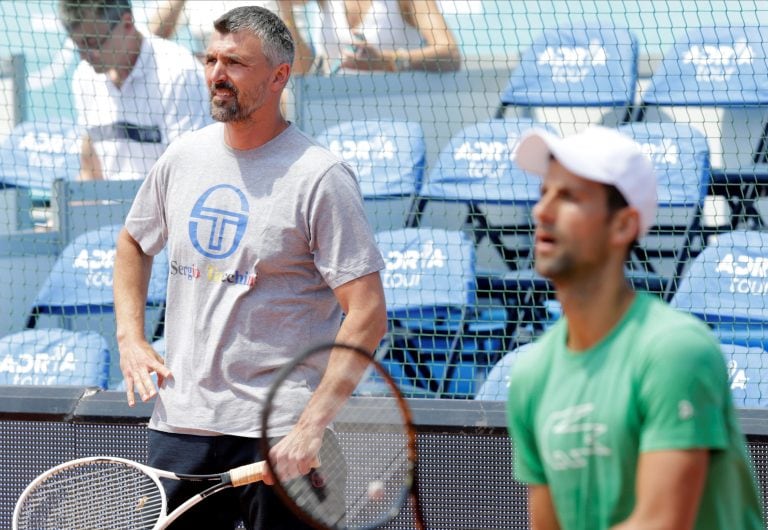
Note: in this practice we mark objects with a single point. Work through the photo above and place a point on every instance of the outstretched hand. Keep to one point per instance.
(138, 362)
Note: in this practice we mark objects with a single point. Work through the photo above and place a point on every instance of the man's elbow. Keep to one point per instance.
(379, 322)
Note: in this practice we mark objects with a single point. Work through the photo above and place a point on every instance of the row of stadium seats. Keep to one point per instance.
(457, 243)
(64, 341)
(474, 186)
(725, 287)
(457, 237)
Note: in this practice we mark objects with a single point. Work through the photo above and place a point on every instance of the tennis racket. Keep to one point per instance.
(108, 493)
(367, 476)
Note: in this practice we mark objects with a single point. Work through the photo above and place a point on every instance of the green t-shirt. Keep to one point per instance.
(579, 420)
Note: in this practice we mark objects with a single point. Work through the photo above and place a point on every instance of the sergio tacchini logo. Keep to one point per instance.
(214, 231)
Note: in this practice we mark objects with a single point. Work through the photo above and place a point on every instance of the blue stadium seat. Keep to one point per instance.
(440, 340)
(680, 157)
(747, 374)
(726, 286)
(496, 385)
(388, 158)
(37, 153)
(476, 186)
(80, 282)
(589, 67)
(64, 319)
(54, 357)
(716, 79)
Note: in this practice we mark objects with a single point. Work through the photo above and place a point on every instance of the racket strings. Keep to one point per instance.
(107, 497)
(371, 473)
(385, 483)
(367, 457)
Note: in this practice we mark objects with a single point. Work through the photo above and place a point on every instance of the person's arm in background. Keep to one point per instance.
(164, 20)
(90, 166)
(440, 52)
(364, 325)
(304, 56)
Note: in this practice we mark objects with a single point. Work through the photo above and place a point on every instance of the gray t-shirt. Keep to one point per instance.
(256, 240)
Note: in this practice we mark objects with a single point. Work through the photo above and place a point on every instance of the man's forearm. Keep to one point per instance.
(131, 279)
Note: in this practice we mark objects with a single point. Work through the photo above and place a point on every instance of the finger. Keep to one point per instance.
(267, 477)
(149, 387)
(143, 384)
(129, 392)
(162, 371)
(305, 466)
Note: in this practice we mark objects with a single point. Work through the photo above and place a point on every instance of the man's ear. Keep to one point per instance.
(280, 77)
(626, 226)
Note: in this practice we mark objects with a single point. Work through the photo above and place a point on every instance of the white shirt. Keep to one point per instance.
(164, 96)
(382, 26)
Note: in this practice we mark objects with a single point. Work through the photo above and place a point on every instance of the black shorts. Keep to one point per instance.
(257, 505)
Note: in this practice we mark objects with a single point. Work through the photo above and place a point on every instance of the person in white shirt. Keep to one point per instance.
(380, 35)
(134, 94)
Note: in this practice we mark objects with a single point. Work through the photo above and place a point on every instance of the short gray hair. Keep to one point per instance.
(276, 39)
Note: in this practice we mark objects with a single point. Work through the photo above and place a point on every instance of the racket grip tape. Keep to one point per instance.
(247, 474)
(250, 473)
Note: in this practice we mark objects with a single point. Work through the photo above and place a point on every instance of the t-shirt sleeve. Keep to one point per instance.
(683, 393)
(528, 466)
(341, 239)
(146, 221)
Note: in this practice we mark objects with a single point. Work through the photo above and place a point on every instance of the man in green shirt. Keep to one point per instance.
(621, 414)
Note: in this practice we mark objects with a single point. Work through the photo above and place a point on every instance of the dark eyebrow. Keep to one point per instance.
(229, 56)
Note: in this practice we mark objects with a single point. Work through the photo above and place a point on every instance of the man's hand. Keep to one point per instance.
(137, 362)
(295, 455)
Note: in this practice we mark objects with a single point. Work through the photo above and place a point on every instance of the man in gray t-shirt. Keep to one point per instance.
(268, 246)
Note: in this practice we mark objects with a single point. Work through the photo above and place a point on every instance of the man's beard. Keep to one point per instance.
(227, 112)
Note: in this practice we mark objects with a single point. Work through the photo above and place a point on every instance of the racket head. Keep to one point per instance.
(95, 492)
(367, 473)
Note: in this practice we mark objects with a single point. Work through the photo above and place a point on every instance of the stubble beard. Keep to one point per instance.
(232, 111)
(554, 267)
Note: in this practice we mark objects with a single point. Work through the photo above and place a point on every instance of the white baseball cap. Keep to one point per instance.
(599, 154)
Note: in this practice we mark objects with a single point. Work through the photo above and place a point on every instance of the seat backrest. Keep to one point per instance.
(716, 78)
(81, 206)
(475, 185)
(747, 374)
(715, 66)
(426, 268)
(37, 153)
(726, 285)
(496, 384)
(81, 278)
(590, 64)
(54, 356)
(388, 157)
(680, 156)
(478, 165)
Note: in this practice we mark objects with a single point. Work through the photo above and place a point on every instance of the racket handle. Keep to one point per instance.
(250, 473)
(247, 474)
